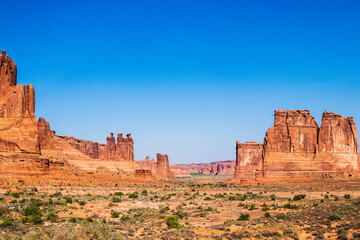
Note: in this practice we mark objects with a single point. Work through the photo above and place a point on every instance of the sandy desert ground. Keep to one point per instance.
(200, 207)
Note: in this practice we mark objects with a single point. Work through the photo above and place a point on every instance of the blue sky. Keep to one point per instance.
(186, 78)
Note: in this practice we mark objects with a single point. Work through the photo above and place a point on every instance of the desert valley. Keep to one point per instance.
(302, 182)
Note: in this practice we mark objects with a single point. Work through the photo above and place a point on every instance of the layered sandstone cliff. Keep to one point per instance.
(18, 126)
(92, 149)
(163, 168)
(248, 159)
(123, 150)
(295, 148)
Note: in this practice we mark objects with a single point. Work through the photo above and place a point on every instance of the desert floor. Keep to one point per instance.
(199, 207)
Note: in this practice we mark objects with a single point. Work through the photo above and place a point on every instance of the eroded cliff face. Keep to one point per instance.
(163, 168)
(338, 145)
(123, 150)
(18, 126)
(92, 149)
(295, 148)
(248, 160)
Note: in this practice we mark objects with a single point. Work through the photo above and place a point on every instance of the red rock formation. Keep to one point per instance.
(163, 168)
(248, 159)
(143, 173)
(295, 148)
(18, 126)
(148, 164)
(46, 135)
(123, 150)
(338, 144)
(92, 149)
(214, 168)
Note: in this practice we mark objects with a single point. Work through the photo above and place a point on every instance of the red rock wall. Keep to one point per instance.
(248, 160)
(123, 150)
(163, 168)
(295, 148)
(92, 149)
(18, 126)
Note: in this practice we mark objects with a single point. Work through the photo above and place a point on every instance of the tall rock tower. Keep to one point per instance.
(18, 126)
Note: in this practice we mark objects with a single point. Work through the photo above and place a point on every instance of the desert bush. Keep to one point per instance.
(68, 200)
(125, 217)
(32, 210)
(282, 216)
(291, 206)
(173, 222)
(72, 220)
(52, 217)
(267, 215)
(114, 214)
(252, 207)
(265, 207)
(82, 203)
(299, 197)
(116, 199)
(244, 217)
(335, 217)
(144, 193)
(347, 196)
(133, 195)
(118, 193)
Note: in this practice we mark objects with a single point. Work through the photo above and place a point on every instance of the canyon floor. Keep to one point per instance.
(199, 207)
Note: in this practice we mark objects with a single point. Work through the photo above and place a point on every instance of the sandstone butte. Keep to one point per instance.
(162, 167)
(296, 149)
(30, 150)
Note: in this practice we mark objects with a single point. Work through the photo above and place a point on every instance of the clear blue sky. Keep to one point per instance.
(186, 78)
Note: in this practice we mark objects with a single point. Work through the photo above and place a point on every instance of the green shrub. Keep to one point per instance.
(82, 203)
(16, 195)
(13, 201)
(89, 219)
(267, 215)
(118, 193)
(114, 214)
(252, 207)
(299, 197)
(32, 210)
(125, 217)
(335, 217)
(72, 220)
(173, 222)
(290, 206)
(244, 217)
(52, 217)
(68, 200)
(282, 216)
(133, 195)
(144, 193)
(116, 199)
(36, 219)
(347, 196)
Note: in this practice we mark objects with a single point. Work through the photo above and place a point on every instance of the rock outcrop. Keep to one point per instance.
(149, 164)
(226, 167)
(123, 150)
(163, 168)
(144, 174)
(92, 149)
(295, 148)
(248, 159)
(18, 126)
